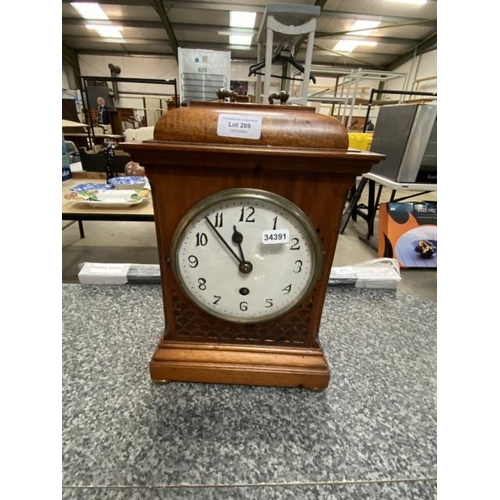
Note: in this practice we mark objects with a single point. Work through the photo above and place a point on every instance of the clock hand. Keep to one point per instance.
(238, 238)
(214, 229)
(245, 266)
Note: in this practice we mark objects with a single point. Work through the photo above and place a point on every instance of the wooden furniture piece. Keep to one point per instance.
(96, 162)
(207, 166)
(118, 117)
(85, 140)
(69, 111)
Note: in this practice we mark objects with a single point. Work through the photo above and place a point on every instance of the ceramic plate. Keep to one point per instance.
(105, 198)
(131, 182)
(91, 186)
(418, 247)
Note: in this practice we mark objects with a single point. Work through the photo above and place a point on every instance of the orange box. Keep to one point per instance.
(408, 232)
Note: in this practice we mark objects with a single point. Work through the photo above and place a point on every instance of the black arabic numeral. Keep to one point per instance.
(269, 303)
(299, 266)
(243, 306)
(295, 244)
(201, 239)
(202, 283)
(217, 298)
(287, 289)
(219, 219)
(193, 261)
(249, 217)
(275, 220)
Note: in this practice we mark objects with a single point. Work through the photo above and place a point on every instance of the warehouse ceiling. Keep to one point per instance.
(158, 28)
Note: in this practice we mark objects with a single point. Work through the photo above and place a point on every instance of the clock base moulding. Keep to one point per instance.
(236, 364)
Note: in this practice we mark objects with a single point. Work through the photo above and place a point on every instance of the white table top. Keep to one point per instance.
(410, 186)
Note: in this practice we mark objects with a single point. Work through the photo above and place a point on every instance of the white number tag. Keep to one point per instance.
(244, 126)
(273, 236)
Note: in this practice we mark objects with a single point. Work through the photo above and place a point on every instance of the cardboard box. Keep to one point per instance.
(98, 273)
(408, 233)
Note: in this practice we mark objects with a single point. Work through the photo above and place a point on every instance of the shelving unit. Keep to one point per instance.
(347, 88)
(90, 81)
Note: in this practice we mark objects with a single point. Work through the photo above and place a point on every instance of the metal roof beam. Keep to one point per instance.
(144, 3)
(129, 23)
(113, 41)
(374, 17)
(323, 37)
(71, 57)
(167, 25)
(228, 6)
(118, 53)
(420, 48)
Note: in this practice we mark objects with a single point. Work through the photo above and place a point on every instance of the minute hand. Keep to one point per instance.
(214, 229)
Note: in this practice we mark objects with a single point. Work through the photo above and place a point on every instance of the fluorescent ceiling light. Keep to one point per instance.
(242, 19)
(240, 39)
(415, 2)
(90, 10)
(106, 31)
(366, 29)
(345, 45)
(366, 26)
(350, 45)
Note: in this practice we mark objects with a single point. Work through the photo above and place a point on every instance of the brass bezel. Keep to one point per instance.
(248, 194)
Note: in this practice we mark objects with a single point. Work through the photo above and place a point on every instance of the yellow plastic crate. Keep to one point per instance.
(360, 140)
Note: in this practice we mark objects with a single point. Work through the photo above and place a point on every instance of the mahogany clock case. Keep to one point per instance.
(301, 156)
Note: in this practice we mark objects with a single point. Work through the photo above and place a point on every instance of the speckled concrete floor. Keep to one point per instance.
(370, 435)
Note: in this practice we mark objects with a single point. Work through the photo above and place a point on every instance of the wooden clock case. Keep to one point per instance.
(300, 155)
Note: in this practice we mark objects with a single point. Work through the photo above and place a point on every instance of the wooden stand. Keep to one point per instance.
(299, 155)
(118, 117)
(246, 365)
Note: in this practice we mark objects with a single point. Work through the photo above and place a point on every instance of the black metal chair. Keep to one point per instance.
(96, 162)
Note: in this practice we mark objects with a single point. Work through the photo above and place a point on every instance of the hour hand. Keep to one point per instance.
(238, 238)
(245, 266)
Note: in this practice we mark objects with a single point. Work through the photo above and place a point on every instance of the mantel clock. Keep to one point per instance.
(247, 202)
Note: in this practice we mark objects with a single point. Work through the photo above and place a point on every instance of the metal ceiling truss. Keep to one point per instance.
(167, 25)
(163, 7)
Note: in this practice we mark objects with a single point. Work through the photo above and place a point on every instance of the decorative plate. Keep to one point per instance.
(127, 181)
(418, 247)
(91, 186)
(106, 198)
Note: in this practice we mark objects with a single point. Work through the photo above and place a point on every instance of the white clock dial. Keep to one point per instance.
(246, 255)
